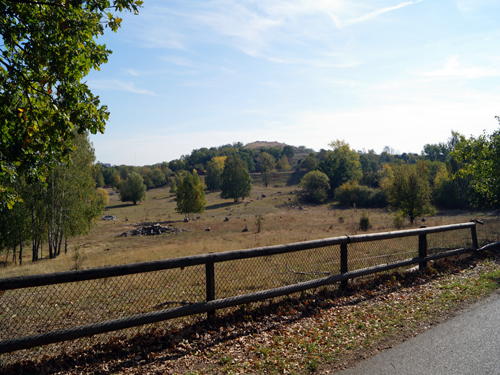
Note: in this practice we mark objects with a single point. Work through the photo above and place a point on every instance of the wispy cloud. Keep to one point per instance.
(453, 69)
(181, 61)
(375, 13)
(114, 84)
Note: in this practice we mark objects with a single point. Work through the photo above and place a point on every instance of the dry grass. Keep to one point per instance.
(285, 220)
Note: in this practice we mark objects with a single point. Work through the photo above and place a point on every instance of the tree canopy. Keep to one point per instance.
(47, 49)
(133, 188)
(316, 185)
(190, 194)
(236, 180)
(408, 190)
(480, 161)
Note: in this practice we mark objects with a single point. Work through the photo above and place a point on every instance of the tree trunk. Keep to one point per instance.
(14, 254)
(20, 246)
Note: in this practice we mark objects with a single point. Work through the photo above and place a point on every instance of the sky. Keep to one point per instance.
(190, 74)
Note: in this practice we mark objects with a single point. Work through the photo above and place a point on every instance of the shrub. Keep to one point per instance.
(399, 219)
(316, 186)
(353, 194)
(364, 221)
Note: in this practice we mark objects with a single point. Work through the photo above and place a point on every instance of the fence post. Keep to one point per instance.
(343, 263)
(475, 244)
(422, 251)
(210, 285)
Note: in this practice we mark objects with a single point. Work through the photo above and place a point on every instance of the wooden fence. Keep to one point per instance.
(211, 304)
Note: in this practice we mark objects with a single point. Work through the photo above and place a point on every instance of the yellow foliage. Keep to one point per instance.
(219, 161)
(103, 194)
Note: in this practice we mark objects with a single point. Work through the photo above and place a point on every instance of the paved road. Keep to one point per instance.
(466, 344)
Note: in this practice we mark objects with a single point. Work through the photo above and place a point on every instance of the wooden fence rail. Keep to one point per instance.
(209, 260)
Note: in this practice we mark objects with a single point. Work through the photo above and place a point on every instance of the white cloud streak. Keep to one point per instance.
(114, 84)
(452, 69)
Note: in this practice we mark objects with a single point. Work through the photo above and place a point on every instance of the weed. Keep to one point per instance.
(258, 223)
(226, 359)
(312, 365)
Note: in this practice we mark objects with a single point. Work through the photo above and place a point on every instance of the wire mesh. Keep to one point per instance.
(368, 254)
(43, 309)
(245, 276)
(30, 311)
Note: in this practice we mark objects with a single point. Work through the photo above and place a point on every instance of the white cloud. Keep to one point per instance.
(453, 69)
(375, 13)
(114, 84)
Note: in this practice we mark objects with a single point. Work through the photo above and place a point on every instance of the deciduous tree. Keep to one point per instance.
(408, 190)
(133, 189)
(316, 186)
(236, 180)
(267, 163)
(47, 49)
(190, 194)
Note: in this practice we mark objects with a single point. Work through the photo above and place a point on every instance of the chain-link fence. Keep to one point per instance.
(37, 306)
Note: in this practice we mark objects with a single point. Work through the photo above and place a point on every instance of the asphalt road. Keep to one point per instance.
(466, 344)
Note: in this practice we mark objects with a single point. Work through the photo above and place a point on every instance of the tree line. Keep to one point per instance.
(65, 204)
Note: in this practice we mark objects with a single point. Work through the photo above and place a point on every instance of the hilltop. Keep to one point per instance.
(258, 144)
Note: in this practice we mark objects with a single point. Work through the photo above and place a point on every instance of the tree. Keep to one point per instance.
(133, 188)
(283, 164)
(47, 49)
(103, 195)
(66, 205)
(408, 190)
(190, 195)
(316, 185)
(213, 179)
(340, 165)
(267, 163)
(173, 185)
(288, 152)
(236, 180)
(479, 161)
(309, 163)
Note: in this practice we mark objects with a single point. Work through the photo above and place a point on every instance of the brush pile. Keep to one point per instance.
(151, 230)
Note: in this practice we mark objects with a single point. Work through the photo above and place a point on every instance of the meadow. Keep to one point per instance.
(285, 219)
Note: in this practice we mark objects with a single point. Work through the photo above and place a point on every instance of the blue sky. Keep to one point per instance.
(375, 73)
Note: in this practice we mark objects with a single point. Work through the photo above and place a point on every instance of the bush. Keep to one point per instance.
(353, 194)
(399, 219)
(364, 221)
(316, 185)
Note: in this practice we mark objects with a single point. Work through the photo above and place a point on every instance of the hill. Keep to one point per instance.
(258, 144)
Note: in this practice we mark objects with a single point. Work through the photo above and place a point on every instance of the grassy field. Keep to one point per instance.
(285, 220)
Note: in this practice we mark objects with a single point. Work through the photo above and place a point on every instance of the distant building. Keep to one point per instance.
(106, 165)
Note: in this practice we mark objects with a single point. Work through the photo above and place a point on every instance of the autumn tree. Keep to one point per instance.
(190, 195)
(133, 188)
(236, 180)
(47, 50)
(408, 190)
